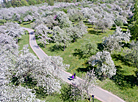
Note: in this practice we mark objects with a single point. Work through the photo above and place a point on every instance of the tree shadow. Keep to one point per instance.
(78, 52)
(56, 48)
(123, 60)
(125, 44)
(95, 32)
(25, 23)
(100, 46)
(123, 81)
(86, 67)
(20, 39)
(41, 45)
(36, 37)
(113, 28)
(86, 21)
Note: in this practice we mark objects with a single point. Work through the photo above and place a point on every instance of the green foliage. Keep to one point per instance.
(133, 26)
(68, 1)
(50, 2)
(134, 31)
(65, 10)
(70, 93)
(135, 17)
(79, 0)
(23, 41)
(89, 48)
(38, 1)
(2, 21)
(118, 22)
(16, 3)
(108, 6)
(24, 3)
(31, 2)
(8, 4)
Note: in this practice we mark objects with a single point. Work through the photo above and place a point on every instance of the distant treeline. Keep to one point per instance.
(18, 3)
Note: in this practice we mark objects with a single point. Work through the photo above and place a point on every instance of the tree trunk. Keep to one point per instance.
(74, 39)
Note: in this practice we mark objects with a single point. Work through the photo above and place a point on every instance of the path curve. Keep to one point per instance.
(98, 92)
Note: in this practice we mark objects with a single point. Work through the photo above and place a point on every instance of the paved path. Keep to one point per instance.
(98, 92)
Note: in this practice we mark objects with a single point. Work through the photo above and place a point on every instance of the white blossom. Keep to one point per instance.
(105, 64)
(17, 94)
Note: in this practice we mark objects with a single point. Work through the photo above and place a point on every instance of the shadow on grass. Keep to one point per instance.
(36, 37)
(20, 39)
(32, 84)
(81, 55)
(41, 45)
(78, 52)
(95, 32)
(87, 67)
(122, 59)
(126, 45)
(124, 81)
(25, 23)
(56, 48)
(100, 46)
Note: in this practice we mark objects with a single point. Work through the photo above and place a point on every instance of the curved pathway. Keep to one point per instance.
(98, 92)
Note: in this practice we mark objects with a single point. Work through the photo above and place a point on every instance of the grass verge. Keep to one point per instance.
(24, 40)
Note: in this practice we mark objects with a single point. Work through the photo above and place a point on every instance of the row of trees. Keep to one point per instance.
(62, 29)
(18, 3)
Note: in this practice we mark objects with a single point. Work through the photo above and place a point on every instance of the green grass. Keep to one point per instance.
(58, 99)
(26, 24)
(24, 40)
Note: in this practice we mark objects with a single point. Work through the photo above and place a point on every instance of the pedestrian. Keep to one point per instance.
(74, 75)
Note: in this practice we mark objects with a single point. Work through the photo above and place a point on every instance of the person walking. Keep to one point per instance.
(72, 76)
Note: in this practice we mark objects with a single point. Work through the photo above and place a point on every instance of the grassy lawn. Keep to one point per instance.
(24, 40)
(57, 98)
(122, 84)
